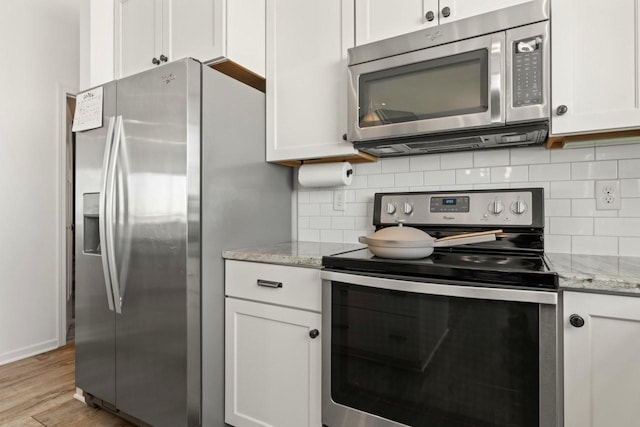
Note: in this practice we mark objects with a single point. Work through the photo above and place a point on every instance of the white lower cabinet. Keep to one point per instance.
(601, 360)
(272, 348)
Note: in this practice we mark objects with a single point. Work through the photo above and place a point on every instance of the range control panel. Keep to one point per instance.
(521, 207)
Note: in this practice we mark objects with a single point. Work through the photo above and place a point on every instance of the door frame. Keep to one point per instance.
(64, 90)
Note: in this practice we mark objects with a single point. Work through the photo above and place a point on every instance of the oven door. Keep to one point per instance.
(453, 86)
(402, 353)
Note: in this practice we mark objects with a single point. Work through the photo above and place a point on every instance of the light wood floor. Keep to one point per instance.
(38, 391)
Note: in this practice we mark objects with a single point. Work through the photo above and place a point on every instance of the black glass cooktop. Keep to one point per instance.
(497, 269)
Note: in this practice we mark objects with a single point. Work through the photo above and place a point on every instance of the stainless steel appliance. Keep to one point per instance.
(481, 82)
(173, 177)
(464, 337)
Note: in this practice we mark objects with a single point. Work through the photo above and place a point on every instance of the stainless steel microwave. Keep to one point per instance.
(481, 82)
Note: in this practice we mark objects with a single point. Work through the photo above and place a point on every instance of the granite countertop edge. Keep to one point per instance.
(591, 273)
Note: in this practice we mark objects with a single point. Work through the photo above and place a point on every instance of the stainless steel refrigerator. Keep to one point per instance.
(175, 175)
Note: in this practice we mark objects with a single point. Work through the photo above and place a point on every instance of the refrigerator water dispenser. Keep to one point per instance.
(90, 211)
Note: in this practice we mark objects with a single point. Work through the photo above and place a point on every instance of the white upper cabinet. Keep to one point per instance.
(595, 55)
(381, 19)
(151, 32)
(601, 362)
(307, 44)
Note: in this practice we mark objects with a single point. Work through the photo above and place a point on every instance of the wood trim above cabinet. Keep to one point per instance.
(356, 158)
(554, 142)
(241, 74)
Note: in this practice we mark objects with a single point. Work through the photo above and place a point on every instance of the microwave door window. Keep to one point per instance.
(442, 87)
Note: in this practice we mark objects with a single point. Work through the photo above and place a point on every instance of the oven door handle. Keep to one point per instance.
(462, 291)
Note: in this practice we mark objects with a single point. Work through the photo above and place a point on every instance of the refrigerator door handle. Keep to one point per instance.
(110, 209)
(102, 219)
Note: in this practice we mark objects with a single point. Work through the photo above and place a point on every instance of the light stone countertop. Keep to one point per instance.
(599, 273)
(298, 254)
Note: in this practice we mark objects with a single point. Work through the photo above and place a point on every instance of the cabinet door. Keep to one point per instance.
(381, 19)
(196, 29)
(460, 9)
(138, 35)
(272, 366)
(307, 44)
(595, 77)
(601, 369)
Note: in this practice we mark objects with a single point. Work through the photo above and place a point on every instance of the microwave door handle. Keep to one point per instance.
(496, 81)
(102, 218)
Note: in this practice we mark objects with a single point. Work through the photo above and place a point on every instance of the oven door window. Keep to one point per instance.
(448, 86)
(435, 360)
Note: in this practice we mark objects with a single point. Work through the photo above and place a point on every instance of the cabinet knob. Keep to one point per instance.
(155, 61)
(163, 58)
(446, 11)
(562, 109)
(344, 136)
(314, 333)
(576, 320)
(429, 16)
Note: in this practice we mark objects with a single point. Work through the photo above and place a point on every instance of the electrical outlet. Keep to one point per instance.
(339, 200)
(607, 195)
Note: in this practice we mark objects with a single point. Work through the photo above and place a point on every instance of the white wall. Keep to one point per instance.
(39, 50)
(568, 176)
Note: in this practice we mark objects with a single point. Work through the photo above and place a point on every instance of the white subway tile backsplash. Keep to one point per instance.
(557, 244)
(572, 155)
(306, 235)
(331, 236)
(510, 174)
(587, 207)
(320, 196)
(356, 209)
(590, 245)
(343, 223)
(309, 209)
(629, 168)
(383, 181)
(629, 208)
(629, 246)
(368, 168)
(594, 170)
(572, 190)
(473, 176)
(484, 158)
(429, 162)
(571, 226)
(529, 155)
(359, 181)
(550, 172)
(396, 165)
(409, 179)
(320, 222)
(440, 177)
(557, 207)
(627, 227)
(456, 160)
(630, 187)
(572, 223)
(615, 152)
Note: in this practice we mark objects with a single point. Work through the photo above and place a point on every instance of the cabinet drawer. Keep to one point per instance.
(292, 286)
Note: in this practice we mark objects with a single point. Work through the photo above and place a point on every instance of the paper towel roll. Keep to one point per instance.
(325, 174)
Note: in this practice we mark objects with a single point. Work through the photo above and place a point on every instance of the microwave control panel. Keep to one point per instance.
(527, 72)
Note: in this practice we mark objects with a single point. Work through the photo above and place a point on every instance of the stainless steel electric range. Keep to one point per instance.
(464, 337)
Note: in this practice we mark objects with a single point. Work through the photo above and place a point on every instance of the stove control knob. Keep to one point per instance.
(496, 207)
(391, 208)
(407, 208)
(518, 207)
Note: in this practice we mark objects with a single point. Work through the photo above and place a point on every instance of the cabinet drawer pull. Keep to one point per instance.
(269, 283)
